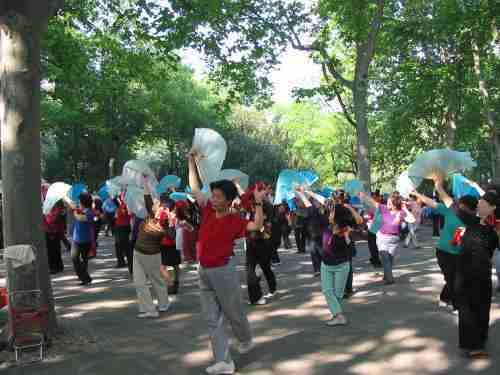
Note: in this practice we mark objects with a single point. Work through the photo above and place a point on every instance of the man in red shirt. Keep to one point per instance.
(219, 279)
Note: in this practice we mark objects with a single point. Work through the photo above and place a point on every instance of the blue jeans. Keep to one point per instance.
(387, 261)
(333, 282)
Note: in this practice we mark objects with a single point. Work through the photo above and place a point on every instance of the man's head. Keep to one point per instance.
(223, 194)
(85, 200)
(468, 203)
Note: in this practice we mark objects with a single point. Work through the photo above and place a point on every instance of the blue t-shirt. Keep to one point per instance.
(82, 230)
(109, 206)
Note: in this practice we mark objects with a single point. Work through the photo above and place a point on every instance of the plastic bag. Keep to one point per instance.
(309, 177)
(461, 187)
(353, 187)
(134, 199)
(179, 196)
(138, 172)
(405, 185)
(441, 161)
(115, 186)
(76, 190)
(288, 180)
(326, 192)
(168, 182)
(56, 192)
(231, 174)
(212, 149)
(103, 193)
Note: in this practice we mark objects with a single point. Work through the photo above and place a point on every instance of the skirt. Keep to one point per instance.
(388, 243)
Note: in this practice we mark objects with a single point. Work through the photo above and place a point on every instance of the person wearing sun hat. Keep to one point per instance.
(473, 285)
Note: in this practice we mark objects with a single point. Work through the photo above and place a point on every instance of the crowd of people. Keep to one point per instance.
(203, 231)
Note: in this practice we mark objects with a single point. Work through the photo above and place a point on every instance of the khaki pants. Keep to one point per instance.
(148, 267)
(221, 301)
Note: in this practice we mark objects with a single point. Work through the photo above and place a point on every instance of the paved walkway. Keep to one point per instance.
(396, 329)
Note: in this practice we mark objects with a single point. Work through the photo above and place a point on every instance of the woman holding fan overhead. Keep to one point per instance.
(393, 214)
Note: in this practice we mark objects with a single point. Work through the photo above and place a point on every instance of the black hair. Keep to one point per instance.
(491, 197)
(164, 197)
(227, 187)
(469, 201)
(168, 203)
(343, 216)
(86, 200)
(98, 203)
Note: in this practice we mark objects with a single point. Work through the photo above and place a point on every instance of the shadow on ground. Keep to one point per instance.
(395, 329)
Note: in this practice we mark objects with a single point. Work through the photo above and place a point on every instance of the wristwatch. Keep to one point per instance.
(258, 204)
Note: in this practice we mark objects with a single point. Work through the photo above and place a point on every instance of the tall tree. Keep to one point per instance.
(21, 25)
(244, 40)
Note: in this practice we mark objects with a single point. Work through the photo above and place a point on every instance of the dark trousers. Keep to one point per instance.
(300, 239)
(448, 264)
(110, 222)
(285, 233)
(79, 255)
(123, 247)
(350, 278)
(66, 242)
(474, 304)
(314, 248)
(275, 257)
(53, 241)
(373, 248)
(259, 253)
(437, 221)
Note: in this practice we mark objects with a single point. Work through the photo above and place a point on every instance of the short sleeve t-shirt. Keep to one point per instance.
(82, 230)
(451, 223)
(122, 216)
(376, 222)
(217, 236)
(391, 222)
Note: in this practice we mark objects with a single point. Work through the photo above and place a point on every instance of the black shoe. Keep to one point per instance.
(121, 265)
(349, 293)
(86, 283)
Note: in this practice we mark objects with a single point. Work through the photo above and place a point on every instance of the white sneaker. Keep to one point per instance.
(149, 315)
(442, 304)
(269, 295)
(246, 347)
(221, 368)
(261, 301)
(337, 321)
(164, 308)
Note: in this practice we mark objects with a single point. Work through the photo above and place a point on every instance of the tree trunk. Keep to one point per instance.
(487, 108)
(20, 129)
(360, 101)
(450, 125)
(111, 167)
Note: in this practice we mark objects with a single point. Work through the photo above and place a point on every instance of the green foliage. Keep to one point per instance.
(116, 88)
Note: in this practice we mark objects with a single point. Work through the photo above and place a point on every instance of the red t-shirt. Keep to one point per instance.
(122, 216)
(53, 222)
(217, 235)
(166, 241)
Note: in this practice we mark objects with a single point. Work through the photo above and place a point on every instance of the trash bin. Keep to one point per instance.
(28, 317)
